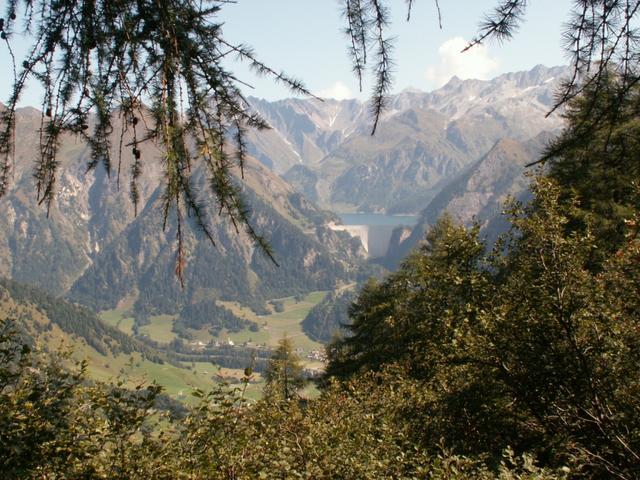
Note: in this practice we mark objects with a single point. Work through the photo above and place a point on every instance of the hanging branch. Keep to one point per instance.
(600, 36)
(366, 24)
(356, 31)
(99, 58)
(501, 23)
(384, 64)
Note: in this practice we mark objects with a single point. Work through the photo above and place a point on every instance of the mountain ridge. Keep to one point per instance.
(92, 222)
(326, 151)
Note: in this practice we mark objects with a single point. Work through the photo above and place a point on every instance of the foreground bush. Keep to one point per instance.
(55, 425)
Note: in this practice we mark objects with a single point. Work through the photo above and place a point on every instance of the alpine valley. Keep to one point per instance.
(460, 149)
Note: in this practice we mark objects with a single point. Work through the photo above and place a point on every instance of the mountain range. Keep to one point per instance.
(325, 149)
(94, 250)
(461, 148)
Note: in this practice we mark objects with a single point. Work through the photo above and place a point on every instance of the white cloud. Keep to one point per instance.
(338, 90)
(474, 63)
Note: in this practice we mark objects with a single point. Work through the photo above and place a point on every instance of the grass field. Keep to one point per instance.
(275, 326)
(176, 382)
(272, 327)
(159, 328)
(118, 318)
(179, 382)
(132, 369)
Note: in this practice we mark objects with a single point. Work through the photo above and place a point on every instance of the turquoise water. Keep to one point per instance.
(377, 219)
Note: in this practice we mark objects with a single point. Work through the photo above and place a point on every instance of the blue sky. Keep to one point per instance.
(304, 38)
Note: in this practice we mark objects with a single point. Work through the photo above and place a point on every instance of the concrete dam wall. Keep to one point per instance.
(375, 238)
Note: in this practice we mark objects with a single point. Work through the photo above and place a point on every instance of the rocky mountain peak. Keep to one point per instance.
(423, 138)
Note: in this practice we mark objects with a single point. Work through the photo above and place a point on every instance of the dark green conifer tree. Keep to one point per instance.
(595, 162)
(284, 373)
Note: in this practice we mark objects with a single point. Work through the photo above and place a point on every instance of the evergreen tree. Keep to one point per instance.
(561, 338)
(284, 374)
(420, 314)
(326, 319)
(537, 350)
(595, 162)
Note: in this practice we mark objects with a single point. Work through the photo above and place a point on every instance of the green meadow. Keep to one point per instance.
(179, 382)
